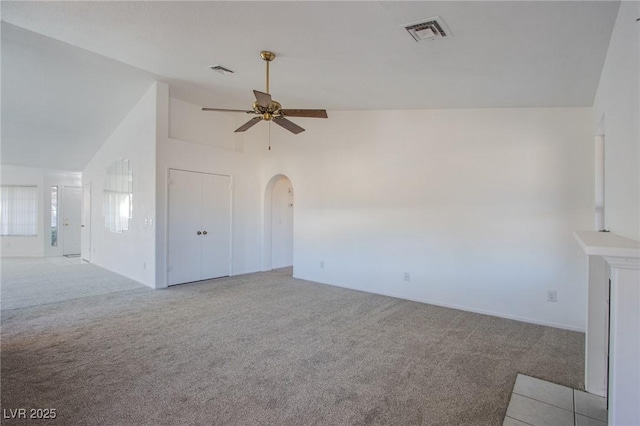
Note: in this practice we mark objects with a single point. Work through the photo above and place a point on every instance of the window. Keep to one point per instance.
(19, 210)
(54, 216)
(118, 196)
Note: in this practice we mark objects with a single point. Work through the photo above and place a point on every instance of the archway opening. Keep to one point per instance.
(278, 223)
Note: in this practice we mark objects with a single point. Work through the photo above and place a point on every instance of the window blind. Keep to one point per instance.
(18, 210)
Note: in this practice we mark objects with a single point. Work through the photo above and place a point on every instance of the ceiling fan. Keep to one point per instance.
(268, 109)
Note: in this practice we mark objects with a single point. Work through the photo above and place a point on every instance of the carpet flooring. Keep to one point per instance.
(32, 281)
(268, 349)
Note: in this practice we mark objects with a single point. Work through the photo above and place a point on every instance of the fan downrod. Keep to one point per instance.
(268, 57)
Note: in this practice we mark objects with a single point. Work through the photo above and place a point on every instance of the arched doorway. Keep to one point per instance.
(278, 223)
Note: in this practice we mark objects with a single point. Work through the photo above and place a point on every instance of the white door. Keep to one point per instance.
(71, 212)
(85, 226)
(216, 225)
(185, 204)
(199, 226)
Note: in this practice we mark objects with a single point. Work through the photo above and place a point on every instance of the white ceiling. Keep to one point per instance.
(334, 55)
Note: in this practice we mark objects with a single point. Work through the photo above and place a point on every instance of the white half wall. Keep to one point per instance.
(617, 106)
(213, 148)
(478, 206)
(132, 252)
(44, 179)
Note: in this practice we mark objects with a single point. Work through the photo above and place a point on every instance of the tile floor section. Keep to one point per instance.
(535, 402)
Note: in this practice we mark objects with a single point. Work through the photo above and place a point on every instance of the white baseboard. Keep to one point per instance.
(453, 306)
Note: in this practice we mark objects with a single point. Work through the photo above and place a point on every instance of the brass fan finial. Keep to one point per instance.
(267, 56)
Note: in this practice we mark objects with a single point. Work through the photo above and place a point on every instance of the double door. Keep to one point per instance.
(199, 226)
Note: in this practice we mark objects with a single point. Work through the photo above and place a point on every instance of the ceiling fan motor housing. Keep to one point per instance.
(271, 111)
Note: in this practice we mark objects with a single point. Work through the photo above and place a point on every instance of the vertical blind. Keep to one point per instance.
(18, 210)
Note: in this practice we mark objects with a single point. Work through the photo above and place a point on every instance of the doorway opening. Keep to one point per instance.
(85, 226)
(278, 224)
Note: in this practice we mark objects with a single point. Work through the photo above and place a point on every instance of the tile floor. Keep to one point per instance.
(535, 402)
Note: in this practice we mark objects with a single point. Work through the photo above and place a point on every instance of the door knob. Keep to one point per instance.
(199, 233)
(204, 232)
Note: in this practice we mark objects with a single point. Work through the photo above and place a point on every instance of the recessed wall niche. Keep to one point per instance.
(118, 196)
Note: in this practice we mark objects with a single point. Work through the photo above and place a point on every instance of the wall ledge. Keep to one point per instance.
(608, 245)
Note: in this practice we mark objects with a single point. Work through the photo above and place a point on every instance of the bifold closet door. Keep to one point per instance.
(216, 226)
(199, 226)
(185, 212)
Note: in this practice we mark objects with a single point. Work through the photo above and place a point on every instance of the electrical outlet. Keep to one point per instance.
(407, 276)
(322, 264)
(552, 296)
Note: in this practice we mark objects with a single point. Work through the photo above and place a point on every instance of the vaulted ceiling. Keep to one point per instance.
(72, 70)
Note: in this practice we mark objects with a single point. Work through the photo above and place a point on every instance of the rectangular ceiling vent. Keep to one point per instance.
(429, 29)
(221, 69)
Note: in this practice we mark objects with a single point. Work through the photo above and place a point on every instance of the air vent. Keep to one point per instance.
(221, 69)
(428, 29)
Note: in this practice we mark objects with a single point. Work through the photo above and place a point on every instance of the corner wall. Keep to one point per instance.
(478, 206)
(617, 108)
(130, 253)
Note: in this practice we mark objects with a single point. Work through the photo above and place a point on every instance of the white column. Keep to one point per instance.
(622, 256)
(599, 183)
(595, 372)
(624, 335)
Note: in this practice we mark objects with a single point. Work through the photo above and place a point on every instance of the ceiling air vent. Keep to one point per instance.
(428, 29)
(221, 69)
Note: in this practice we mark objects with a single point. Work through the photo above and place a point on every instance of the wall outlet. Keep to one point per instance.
(322, 264)
(552, 296)
(407, 276)
(144, 265)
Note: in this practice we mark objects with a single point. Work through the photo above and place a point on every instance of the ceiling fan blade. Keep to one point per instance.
(309, 113)
(264, 99)
(249, 124)
(226, 110)
(289, 125)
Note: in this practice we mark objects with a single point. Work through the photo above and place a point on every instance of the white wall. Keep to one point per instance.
(617, 106)
(478, 206)
(130, 253)
(44, 179)
(187, 122)
(207, 156)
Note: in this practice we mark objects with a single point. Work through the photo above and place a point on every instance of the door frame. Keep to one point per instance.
(168, 218)
(267, 241)
(85, 226)
(65, 210)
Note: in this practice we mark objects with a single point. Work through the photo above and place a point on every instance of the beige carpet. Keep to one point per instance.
(31, 281)
(267, 349)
